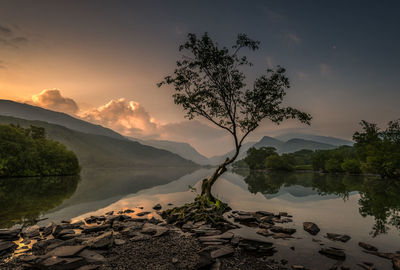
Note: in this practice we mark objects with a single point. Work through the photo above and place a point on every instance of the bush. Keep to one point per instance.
(27, 152)
(351, 166)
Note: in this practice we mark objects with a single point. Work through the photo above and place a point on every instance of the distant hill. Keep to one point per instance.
(322, 139)
(185, 150)
(215, 160)
(103, 151)
(292, 145)
(289, 146)
(29, 112)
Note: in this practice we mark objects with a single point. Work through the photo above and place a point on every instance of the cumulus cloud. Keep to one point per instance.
(127, 117)
(53, 100)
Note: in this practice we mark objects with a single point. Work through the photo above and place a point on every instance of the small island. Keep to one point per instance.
(26, 152)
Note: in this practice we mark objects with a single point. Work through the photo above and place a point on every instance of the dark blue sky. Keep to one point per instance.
(342, 57)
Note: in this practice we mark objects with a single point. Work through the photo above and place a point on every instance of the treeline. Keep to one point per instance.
(375, 151)
(27, 152)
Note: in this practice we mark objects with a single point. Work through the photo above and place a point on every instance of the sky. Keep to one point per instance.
(101, 60)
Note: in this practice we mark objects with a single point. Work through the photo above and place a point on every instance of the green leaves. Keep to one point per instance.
(26, 152)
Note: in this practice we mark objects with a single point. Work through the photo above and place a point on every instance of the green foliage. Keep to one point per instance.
(379, 151)
(351, 166)
(27, 152)
(279, 163)
(255, 158)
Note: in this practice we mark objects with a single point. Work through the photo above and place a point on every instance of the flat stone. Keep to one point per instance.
(140, 237)
(140, 214)
(48, 229)
(367, 246)
(281, 236)
(7, 246)
(157, 206)
(57, 263)
(109, 213)
(311, 228)
(95, 228)
(224, 251)
(31, 231)
(119, 242)
(66, 251)
(102, 241)
(91, 256)
(154, 230)
(9, 234)
(264, 232)
(338, 237)
(278, 229)
(333, 253)
(264, 213)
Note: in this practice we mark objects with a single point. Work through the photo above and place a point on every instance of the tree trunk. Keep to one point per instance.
(208, 183)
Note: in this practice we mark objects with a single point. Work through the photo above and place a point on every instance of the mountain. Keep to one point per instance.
(322, 139)
(289, 146)
(29, 112)
(267, 141)
(292, 145)
(215, 160)
(185, 150)
(104, 151)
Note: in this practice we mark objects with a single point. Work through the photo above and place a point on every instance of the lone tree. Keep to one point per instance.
(209, 83)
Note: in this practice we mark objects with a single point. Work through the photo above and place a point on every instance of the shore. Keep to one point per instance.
(137, 239)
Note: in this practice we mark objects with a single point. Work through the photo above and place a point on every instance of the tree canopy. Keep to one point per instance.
(27, 152)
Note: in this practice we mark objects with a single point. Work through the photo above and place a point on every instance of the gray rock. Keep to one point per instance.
(264, 232)
(224, 251)
(367, 246)
(92, 257)
(95, 228)
(31, 231)
(56, 263)
(157, 206)
(311, 228)
(102, 241)
(338, 237)
(333, 253)
(9, 234)
(7, 246)
(278, 229)
(66, 251)
(154, 230)
(140, 214)
(127, 211)
(48, 229)
(119, 242)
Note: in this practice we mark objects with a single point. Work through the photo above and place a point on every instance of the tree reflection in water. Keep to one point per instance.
(379, 198)
(24, 200)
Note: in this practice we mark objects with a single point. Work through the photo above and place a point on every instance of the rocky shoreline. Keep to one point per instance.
(139, 240)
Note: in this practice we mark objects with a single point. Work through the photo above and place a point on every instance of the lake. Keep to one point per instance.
(366, 208)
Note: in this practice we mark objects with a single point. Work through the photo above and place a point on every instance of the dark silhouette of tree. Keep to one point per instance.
(209, 83)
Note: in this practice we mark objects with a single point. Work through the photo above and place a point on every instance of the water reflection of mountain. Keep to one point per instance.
(101, 187)
(378, 197)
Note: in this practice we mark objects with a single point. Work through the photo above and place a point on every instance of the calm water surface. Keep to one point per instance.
(365, 208)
